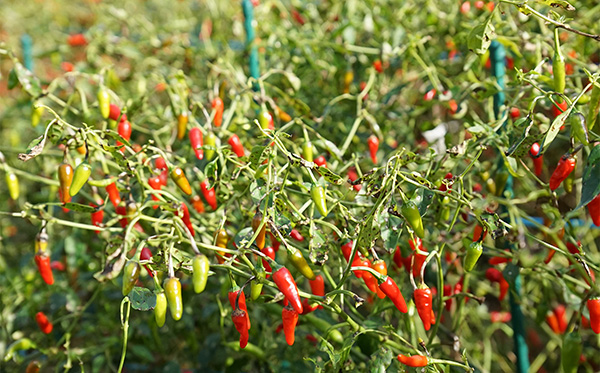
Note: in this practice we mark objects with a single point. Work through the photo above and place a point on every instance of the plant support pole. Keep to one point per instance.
(498, 60)
(248, 9)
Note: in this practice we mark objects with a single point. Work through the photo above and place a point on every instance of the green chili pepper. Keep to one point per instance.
(257, 284)
(445, 209)
(36, 115)
(131, 273)
(558, 65)
(80, 177)
(210, 140)
(160, 310)
(173, 291)
(571, 352)
(20, 345)
(307, 151)
(295, 256)
(411, 213)
(104, 102)
(200, 266)
(594, 107)
(473, 253)
(317, 193)
(578, 129)
(13, 185)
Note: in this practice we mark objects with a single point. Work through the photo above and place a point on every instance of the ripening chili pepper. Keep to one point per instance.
(115, 113)
(80, 177)
(389, 288)
(210, 140)
(411, 213)
(289, 317)
(594, 209)
(181, 181)
(113, 194)
(103, 101)
(218, 106)
(260, 239)
(380, 267)
(172, 288)
(182, 122)
(317, 193)
(307, 151)
(286, 284)
(200, 268)
(196, 142)
(222, 238)
(373, 143)
(571, 352)
(321, 161)
(197, 204)
(565, 166)
(209, 194)
(36, 114)
(593, 306)
(423, 303)
(538, 159)
(348, 78)
(367, 277)
(155, 184)
(160, 310)
(42, 260)
(552, 322)
(65, 177)
(297, 259)
(558, 65)
(241, 302)
(43, 322)
(41, 242)
(12, 182)
(236, 145)
(265, 119)
(146, 254)
(239, 318)
(473, 253)
(448, 293)
(414, 361)
(131, 273)
(594, 107)
(578, 129)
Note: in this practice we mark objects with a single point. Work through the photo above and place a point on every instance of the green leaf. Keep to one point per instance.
(557, 4)
(481, 36)
(243, 236)
(142, 299)
(591, 178)
(255, 156)
(29, 82)
(13, 80)
(520, 147)
(330, 175)
(558, 122)
(79, 207)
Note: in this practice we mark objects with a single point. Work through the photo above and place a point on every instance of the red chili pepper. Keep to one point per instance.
(42, 261)
(115, 113)
(197, 204)
(424, 306)
(356, 262)
(56, 265)
(196, 142)
(552, 322)
(317, 286)
(559, 108)
(286, 284)
(499, 259)
(270, 252)
(124, 129)
(561, 316)
(209, 194)
(218, 106)
(494, 275)
(43, 322)
(380, 267)
(477, 231)
(121, 210)
(565, 166)
(373, 143)
(97, 216)
(503, 316)
(296, 235)
(233, 293)
(290, 319)
(447, 293)
(353, 176)
(414, 361)
(274, 242)
(77, 40)
(538, 160)
(444, 187)
(160, 163)
(429, 95)
(164, 177)
(239, 318)
(186, 219)
(146, 254)
(594, 210)
(321, 161)
(389, 288)
(378, 66)
(593, 306)
(236, 145)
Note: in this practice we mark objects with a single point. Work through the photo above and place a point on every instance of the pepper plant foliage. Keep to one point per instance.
(400, 129)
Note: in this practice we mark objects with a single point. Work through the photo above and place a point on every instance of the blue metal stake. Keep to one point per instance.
(248, 9)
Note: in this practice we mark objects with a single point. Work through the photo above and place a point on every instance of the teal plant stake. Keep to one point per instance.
(498, 58)
(27, 45)
(248, 9)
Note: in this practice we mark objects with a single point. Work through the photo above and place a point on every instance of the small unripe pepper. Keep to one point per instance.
(181, 181)
(558, 65)
(307, 151)
(210, 140)
(103, 101)
(286, 284)
(317, 193)
(43, 322)
(565, 166)
(65, 177)
(266, 120)
(160, 310)
(571, 352)
(289, 317)
(172, 288)
(200, 267)
(423, 302)
(473, 253)
(131, 273)
(578, 129)
(80, 177)
(411, 213)
(256, 285)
